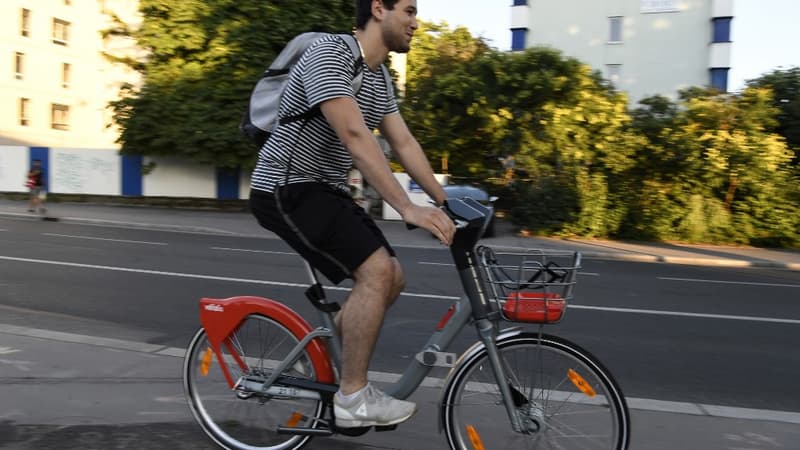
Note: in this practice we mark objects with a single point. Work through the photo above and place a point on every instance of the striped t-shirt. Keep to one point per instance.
(315, 153)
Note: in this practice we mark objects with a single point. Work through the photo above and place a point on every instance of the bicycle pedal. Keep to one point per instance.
(386, 428)
(352, 432)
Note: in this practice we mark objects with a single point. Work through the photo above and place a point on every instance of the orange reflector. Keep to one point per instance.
(580, 383)
(295, 419)
(477, 444)
(206, 363)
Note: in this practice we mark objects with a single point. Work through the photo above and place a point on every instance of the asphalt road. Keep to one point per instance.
(711, 335)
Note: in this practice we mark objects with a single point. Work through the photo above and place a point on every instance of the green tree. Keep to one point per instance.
(447, 92)
(785, 85)
(204, 58)
(570, 131)
(714, 172)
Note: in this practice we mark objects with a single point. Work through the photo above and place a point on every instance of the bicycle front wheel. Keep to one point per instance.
(564, 399)
(236, 419)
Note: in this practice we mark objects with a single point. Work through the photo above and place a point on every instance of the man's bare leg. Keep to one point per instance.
(378, 282)
(397, 287)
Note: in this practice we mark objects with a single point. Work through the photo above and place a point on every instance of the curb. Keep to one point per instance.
(688, 261)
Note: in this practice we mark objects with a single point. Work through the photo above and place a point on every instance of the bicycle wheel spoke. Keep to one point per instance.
(242, 419)
(556, 411)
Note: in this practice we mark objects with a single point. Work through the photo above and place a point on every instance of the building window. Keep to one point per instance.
(24, 110)
(719, 78)
(66, 69)
(60, 32)
(59, 117)
(520, 2)
(518, 36)
(615, 29)
(614, 73)
(19, 65)
(722, 29)
(25, 23)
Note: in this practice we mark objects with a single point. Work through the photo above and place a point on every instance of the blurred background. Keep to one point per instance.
(639, 119)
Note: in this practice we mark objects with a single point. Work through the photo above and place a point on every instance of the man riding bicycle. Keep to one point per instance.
(299, 190)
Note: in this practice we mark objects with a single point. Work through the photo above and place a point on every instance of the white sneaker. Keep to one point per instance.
(372, 407)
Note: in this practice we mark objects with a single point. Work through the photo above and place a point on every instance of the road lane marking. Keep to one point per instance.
(406, 294)
(244, 250)
(427, 263)
(744, 283)
(656, 312)
(104, 239)
(646, 404)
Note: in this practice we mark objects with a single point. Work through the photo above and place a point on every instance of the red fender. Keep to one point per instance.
(220, 317)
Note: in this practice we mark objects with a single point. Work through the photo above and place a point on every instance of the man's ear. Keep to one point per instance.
(378, 9)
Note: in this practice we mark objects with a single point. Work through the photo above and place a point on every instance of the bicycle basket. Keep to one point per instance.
(531, 286)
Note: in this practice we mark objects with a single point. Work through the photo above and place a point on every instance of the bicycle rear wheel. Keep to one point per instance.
(564, 397)
(248, 420)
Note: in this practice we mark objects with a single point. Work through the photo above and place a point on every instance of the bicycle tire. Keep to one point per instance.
(237, 421)
(566, 399)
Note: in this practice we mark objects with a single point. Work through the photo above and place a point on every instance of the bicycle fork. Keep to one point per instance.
(487, 333)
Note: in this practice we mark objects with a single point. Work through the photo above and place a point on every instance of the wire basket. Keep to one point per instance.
(531, 286)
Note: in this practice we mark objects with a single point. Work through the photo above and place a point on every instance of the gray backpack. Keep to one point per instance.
(261, 117)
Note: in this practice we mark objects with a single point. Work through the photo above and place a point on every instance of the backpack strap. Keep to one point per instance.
(358, 76)
(352, 42)
(387, 78)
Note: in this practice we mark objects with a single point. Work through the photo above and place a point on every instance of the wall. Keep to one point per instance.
(106, 172)
(660, 52)
(14, 164)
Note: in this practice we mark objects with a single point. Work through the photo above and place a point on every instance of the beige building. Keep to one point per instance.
(55, 82)
(644, 47)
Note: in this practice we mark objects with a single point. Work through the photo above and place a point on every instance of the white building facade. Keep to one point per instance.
(55, 82)
(644, 47)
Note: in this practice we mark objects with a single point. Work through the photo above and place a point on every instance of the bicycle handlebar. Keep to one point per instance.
(465, 213)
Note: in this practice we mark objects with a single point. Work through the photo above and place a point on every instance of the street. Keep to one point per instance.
(717, 336)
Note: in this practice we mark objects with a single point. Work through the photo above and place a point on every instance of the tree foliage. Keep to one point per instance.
(566, 130)
(785, 85)
(707, 167)
(204, 58)
(447, 92)
(714, 171)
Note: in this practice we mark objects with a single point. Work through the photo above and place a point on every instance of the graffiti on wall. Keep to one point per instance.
(76, 171)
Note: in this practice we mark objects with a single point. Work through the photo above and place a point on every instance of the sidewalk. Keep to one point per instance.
(68, 391)
(243, 224)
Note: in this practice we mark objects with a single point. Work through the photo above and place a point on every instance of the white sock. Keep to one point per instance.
(347, 399)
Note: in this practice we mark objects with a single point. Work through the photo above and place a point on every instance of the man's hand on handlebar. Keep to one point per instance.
(432, 219)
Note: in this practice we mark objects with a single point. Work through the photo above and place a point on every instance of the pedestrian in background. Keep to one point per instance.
(35, 185)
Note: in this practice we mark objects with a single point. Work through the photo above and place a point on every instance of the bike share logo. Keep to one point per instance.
(214, 308)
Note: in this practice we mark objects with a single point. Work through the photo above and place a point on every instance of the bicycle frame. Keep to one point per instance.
(473, 306)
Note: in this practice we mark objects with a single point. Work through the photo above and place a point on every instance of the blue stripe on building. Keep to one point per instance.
(43, 155)
(132, 175)
(227, 184)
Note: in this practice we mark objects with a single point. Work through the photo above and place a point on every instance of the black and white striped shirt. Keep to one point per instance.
(324, 72)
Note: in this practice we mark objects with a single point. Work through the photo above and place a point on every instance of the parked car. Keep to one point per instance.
(476, 193)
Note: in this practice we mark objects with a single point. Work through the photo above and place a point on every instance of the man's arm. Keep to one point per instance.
(409, 152)
(344, 116)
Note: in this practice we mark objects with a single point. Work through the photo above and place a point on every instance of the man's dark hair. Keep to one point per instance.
(364, 11)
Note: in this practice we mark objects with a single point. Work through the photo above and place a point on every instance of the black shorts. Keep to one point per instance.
(324, 225)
